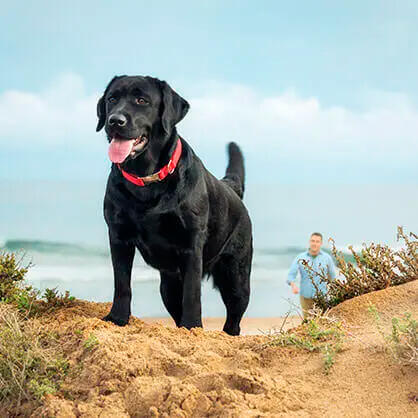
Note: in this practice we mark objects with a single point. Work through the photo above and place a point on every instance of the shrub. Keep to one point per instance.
(28, 300)
(54, 299)
(12, 286)
(376, 267)
(11, 273)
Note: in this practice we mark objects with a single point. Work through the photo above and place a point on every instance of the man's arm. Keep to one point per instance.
(291, 276)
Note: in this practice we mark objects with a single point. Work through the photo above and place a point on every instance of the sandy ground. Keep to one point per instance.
(147, 369)
(249, 326)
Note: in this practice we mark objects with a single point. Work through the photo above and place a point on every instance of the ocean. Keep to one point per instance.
(58, 226)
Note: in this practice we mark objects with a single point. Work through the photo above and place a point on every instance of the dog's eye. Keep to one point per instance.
(111, 100)
(141, 101)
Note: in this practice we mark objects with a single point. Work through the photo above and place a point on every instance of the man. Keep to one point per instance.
(320, 262)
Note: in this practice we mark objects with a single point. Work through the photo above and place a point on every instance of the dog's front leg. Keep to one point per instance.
(122, 259)
(192, 275)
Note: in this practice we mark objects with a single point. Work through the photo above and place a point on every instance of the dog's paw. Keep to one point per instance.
(117, 321)
(191, 324)
(232, 330)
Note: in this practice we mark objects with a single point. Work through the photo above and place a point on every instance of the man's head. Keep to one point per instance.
(139, 115)
(315, 243)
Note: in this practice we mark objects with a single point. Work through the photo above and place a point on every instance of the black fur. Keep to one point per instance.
(186, 226)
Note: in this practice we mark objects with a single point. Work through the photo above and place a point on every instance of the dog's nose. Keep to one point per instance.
(117, 119)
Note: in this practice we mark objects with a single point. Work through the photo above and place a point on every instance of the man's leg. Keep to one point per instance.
(306, 305)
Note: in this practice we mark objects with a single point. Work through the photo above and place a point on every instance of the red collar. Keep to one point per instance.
(159, 175)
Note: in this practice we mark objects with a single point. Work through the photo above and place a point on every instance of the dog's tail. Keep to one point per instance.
(235, 173)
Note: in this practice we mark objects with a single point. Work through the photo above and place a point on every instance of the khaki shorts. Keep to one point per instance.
(306, 305)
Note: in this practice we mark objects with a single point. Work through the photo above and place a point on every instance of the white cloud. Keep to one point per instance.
(52, 117)
(289, 123)
(386, 128)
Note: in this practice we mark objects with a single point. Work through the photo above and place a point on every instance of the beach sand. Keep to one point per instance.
(249, 326)
(151, 369)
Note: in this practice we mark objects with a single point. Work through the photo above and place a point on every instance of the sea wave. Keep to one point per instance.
(264, 255)
(51, 247)
(287, 250)
(293, 251)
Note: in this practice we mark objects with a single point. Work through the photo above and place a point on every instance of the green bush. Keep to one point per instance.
(28, 300)
(56, 300)
(12, 285)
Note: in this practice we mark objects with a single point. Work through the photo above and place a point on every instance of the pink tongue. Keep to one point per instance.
(120, 149)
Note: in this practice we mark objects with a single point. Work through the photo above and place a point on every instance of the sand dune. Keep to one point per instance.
(148, 369)
(249, 326)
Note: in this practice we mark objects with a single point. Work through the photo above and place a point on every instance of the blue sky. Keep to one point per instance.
(316, 92)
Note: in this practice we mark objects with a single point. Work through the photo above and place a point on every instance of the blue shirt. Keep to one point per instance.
(320, 263)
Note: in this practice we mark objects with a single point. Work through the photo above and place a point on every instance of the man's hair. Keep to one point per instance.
(318, 234)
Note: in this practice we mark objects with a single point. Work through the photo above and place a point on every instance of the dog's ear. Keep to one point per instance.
(174, 107)
(101, 113)
(101, 105)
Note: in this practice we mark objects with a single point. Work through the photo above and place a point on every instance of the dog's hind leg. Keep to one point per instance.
(232, 278)
(171, 289)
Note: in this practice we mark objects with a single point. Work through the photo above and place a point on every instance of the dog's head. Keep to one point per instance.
(139, 115)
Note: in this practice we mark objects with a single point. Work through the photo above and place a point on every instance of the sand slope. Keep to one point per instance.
(152, 370)
(249, 326)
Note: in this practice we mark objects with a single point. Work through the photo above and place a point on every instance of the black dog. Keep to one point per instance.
(161, 199)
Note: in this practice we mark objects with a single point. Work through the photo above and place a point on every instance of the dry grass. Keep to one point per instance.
(31, 359)
(32, 362)
(401, 343)
(320, 333)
